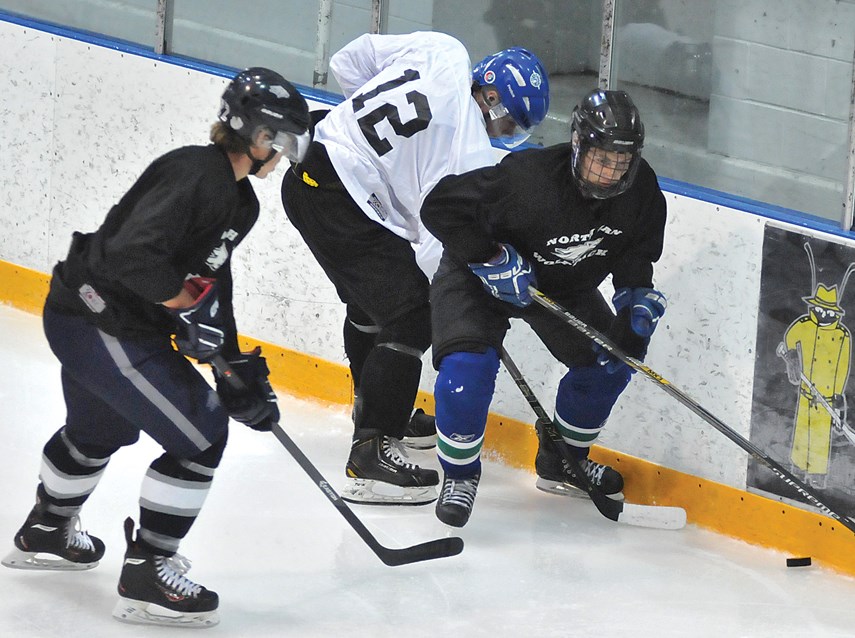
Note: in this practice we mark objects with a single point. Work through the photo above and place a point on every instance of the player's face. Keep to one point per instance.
(269, 166)
(265, 150)
(506, 131)
(604, 168)
(500, 125)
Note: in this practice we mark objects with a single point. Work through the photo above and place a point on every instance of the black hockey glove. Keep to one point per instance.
(255, 405)
(199, 328)
(638, 313)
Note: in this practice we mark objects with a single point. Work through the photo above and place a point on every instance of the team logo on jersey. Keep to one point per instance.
(220, 254)
(574, 254)
(217, 257)
(569, 250)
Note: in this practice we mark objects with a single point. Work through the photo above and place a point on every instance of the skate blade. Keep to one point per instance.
(369, 492)
(565, 489)
(19, 559)
(419, 442)
(137, 612)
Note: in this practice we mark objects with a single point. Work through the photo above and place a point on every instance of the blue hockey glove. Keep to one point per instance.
(646, 307)
(199, 328)
(255, 405)
(507, 276)
(638, 313)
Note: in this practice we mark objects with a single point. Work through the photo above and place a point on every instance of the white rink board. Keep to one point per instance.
(27, 68)
(87, 120)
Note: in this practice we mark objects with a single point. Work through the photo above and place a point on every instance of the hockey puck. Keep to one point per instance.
(799, 562)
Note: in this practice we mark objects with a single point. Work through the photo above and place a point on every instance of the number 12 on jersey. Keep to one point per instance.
(388, 111)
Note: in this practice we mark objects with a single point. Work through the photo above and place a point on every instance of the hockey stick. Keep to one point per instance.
(430, 550)
(838, 420)
(607, 345)
(655, 516)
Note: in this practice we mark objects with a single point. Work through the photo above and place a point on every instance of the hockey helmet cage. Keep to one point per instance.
(522, 83)
(258, 99)
(607, 120)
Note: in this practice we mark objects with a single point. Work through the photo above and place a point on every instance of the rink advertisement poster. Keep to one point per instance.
(803, 405)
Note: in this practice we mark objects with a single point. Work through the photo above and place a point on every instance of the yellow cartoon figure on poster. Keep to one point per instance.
(817, 351)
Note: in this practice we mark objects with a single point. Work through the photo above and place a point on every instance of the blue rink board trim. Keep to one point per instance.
(769, 211)
(132, 48)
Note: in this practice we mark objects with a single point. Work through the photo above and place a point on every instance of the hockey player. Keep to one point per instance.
(415, 112)
(563, 217)
(160, 264)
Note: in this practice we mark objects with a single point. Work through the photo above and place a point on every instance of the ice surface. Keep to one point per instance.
(285, 562)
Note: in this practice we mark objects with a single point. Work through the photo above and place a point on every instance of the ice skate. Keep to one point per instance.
(153, 590)
(421, 431)
(554, 477)
(47, 541)
(456, 500)
(379, 473)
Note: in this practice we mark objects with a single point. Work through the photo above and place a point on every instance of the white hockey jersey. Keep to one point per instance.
(408, 121)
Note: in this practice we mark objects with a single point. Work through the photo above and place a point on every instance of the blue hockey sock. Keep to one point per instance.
(585, 399)
(463, 391)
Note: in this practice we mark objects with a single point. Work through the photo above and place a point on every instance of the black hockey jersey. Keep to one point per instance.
(182, 217)
(530, 201)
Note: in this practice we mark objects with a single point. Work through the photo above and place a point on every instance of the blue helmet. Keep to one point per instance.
(523, 87)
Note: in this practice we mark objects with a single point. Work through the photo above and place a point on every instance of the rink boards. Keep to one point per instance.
(86, 118)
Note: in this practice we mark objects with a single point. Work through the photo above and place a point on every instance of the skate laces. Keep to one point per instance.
(394, 451)
(459, 492)
(171, 570)
(76, 537)
(594, 470)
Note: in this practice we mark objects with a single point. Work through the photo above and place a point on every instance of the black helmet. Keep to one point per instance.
(610, 121)
(260, 99)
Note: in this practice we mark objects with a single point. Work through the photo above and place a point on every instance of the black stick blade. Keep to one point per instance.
(392, 557)
(441, 548)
